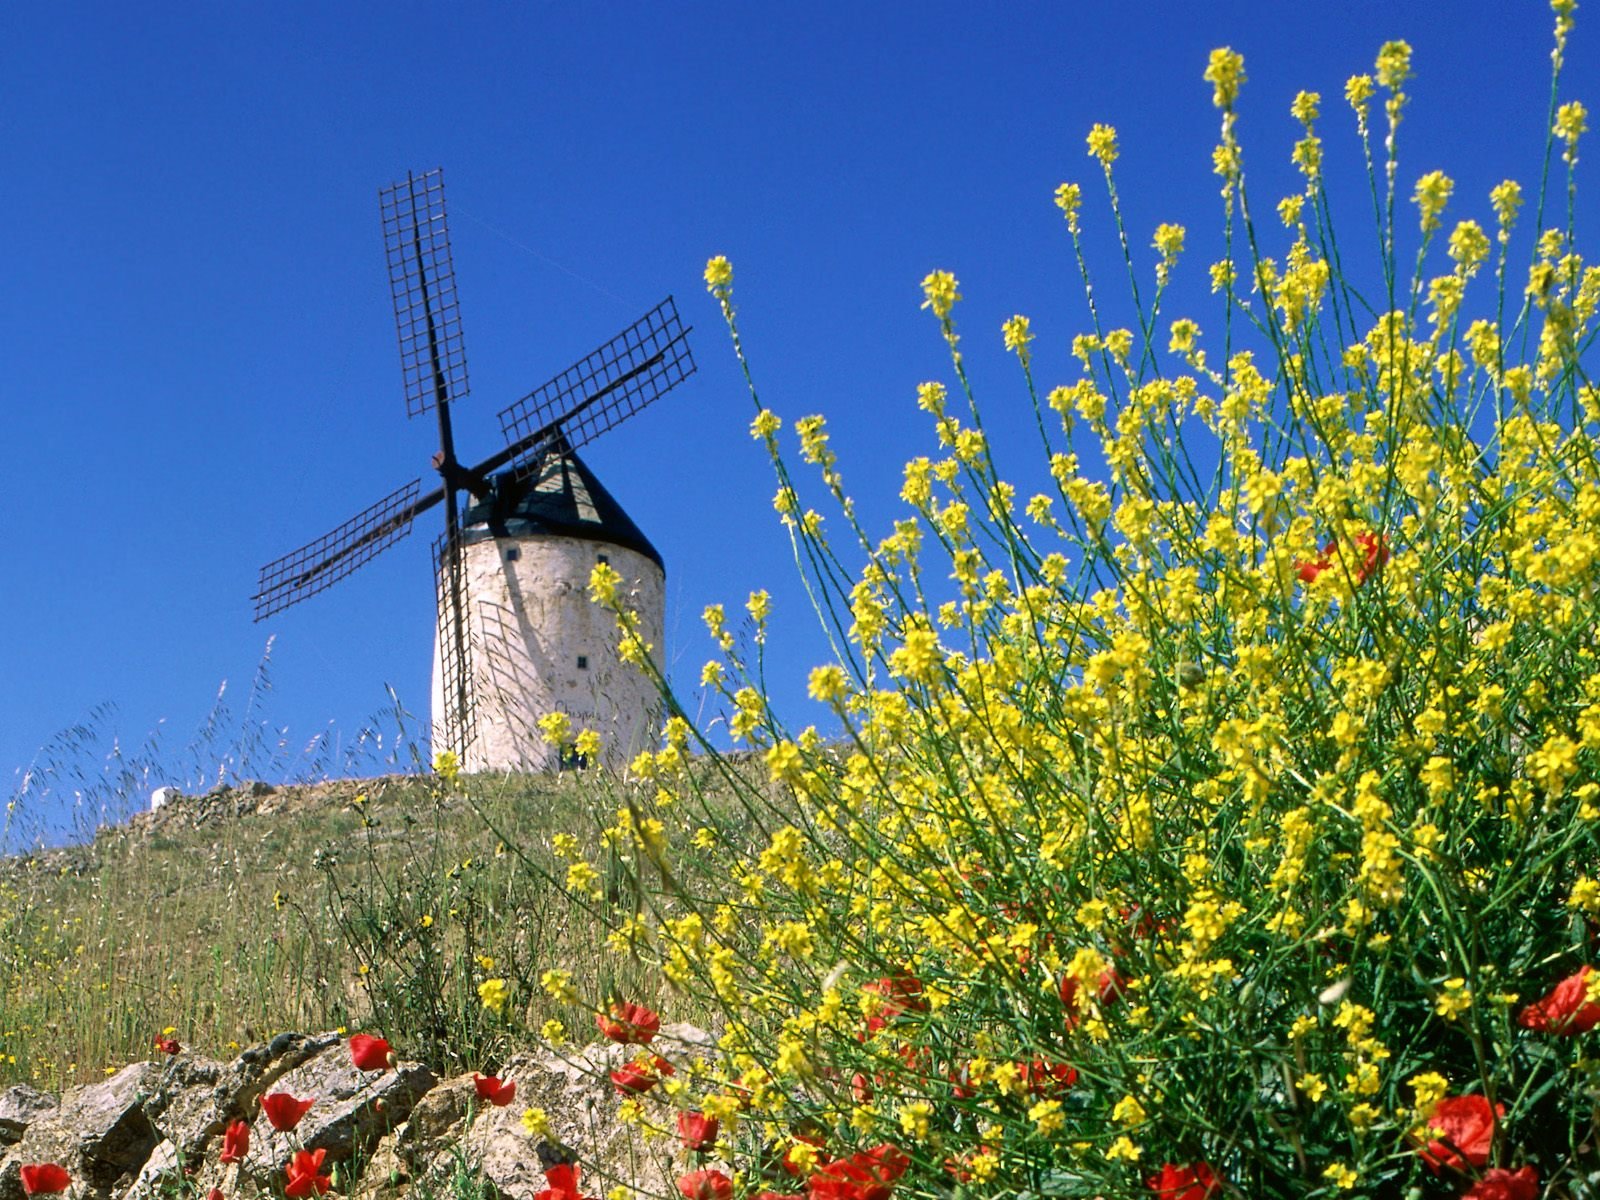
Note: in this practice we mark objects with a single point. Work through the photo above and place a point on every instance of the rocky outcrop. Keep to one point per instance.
(152, 1127)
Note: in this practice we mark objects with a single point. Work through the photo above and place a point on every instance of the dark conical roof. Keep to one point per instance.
(558, 497)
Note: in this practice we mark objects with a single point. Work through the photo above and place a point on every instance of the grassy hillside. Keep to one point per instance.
(228, 918)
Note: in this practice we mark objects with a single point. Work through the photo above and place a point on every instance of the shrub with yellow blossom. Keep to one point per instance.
(1188, 831)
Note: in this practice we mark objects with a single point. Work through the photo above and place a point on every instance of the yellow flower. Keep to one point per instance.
(719, 275)
(1304, 108)
(557, 984)
(1358, 92)
(494, 994)
(1454, 1000)
(1128, 1111)
(914, 1118)
(1224, 72)
(827, 683)
(1432, 194)
(1069, 199)
(447, 766)
(1103, 144)
(553, 1032)
(1123, 1150)
(1046, 1116)
(1017, 336)
(1571, 122)
(1394, 64)
(535, 1122)
(1341, 1175)
(939, 290)
(1429, 1088)
(556, 728)
(1506, 197)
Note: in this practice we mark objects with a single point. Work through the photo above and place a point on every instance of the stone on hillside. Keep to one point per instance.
(353, 1109)
(99, 1133)
(190, 1103)
(574, 1090)
(20, 1106)
(156, 1177)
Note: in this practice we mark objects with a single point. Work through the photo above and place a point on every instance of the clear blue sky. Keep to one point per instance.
(201, 371)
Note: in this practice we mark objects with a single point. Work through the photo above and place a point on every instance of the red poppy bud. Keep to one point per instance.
(1566, 1011)
(705, 1185)
(44, 1179)
(629, 1023)
(497, 1092)
(1460, 1131)
(370, 1053)
(563, 1180)
(235, 1143)
(284, 1111)
(697, 1131)
(1499, 1184)
(303, 1176)
(1194, 1182)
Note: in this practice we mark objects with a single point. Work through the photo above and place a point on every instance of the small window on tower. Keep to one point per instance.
(513, 553)
(605, 558)
(583, 662)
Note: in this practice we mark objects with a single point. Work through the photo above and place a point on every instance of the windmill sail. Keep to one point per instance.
(422, 277)
(320, 564)
(458, 681)
(602, 389)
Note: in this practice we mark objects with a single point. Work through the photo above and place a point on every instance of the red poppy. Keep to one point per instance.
(697, 1131)
(369, 1053)
(629, 1023)
(304, 1174)
(1046, 1079)
(284, 1111)
(1460, 1131)
(858, 1177)
(495, 1090)
(1566, 1010)
(235, 1143)
(1499, 1184)
(215, 1194)
(167, 1045)
(890, 1162)
(1193, 1182)
(1108, 987)
(563, 1181)
(44, 1179)
(705, 1185)
(861, 1088)
(639, 1076)
(1309, 569)
(901, 994)
(1374, 553)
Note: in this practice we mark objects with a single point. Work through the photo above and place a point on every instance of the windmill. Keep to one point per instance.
(516, 636)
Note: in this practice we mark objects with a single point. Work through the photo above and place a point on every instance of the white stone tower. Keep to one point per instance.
(536, 643)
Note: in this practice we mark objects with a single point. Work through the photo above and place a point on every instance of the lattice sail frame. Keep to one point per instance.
(422, 279)
(458, 684)
(320, 564)
(604, 388)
